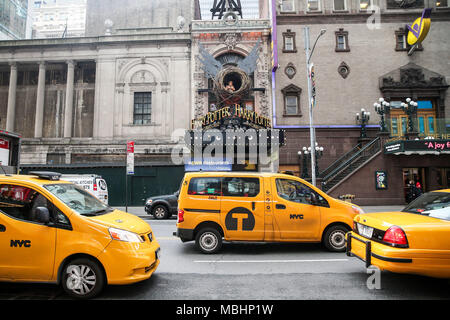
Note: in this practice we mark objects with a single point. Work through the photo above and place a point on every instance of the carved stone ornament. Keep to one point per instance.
(290, 70)
(413, 77)
(391, 4)
(344, 70)
(231, 40)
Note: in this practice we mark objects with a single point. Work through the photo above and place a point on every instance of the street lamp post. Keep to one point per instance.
(304, 155)
(382, 107)
(309, 54)
(319, 153)
(363, 118)
(410, 108)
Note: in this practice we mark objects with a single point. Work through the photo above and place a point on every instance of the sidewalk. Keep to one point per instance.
(140, 212)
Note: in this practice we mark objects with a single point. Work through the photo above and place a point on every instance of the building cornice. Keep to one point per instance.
(178, 37)
(355, 18)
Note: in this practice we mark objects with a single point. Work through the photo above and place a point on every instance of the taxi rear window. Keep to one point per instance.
(228, 187)
(240, 187)
(205, 186)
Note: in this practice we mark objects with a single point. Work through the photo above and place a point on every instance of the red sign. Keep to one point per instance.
(4, 144)
(130, 147)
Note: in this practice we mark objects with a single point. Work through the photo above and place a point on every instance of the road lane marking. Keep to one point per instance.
(166, 238)
(269, 261)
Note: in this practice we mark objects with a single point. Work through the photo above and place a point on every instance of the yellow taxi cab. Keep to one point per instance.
(54, 231)
(269, 207)
(415, 240)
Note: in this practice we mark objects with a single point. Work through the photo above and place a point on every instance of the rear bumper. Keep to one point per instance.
(363, 251)
(184, 234)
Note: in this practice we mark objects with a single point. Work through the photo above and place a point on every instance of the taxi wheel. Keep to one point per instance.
(83, 279)
(334, 239)
(208, 240)
(160, 212)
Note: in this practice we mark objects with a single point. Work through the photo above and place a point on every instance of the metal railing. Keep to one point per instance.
(339, 161)
(365, 152)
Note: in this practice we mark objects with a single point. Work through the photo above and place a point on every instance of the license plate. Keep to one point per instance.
(365, 231)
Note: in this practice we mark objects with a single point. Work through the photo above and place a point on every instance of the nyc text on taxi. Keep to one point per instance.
(259, 207)
(54, 231)
(416, 240)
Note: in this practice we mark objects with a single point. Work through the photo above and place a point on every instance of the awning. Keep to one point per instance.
(418, 147)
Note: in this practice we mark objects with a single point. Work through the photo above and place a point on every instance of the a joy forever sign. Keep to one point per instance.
(213, 119)
(441, 146)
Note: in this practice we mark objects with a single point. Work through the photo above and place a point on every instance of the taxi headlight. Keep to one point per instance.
(357, 210)
(122, 235)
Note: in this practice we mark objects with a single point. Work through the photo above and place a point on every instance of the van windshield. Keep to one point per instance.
(78, 199)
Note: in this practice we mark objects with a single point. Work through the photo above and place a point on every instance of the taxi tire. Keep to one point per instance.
(339, 231)
(206, 235)
(95, 268)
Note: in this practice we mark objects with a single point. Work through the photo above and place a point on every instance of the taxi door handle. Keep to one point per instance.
(2, 228)
(280, 206)
(253, 206)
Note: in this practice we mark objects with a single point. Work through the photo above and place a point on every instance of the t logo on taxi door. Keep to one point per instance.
(240, 219)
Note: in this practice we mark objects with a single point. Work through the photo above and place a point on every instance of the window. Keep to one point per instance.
(240, 187)
(396, 4)
(289, 41)
(205, 186)
(291, 96)
(342, 41)
(296, 191)
(291, 105)
(142, 108)
(401, 36)
(401, 42)
(287, 6)
(341, 45)
(21, 202)
(340, 5)
(365, 4)
(313, 5)
(442, 3)
(78, 199)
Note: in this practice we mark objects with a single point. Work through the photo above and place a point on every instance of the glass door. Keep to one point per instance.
(413, 183)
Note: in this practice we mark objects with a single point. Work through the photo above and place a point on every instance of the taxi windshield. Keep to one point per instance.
(429, 201)
(78, 199)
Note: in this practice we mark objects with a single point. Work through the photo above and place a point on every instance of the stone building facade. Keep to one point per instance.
(77, 101)
(363, 56)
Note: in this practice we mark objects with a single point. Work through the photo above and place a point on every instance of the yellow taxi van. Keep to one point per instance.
(54, 231)
(269, 207)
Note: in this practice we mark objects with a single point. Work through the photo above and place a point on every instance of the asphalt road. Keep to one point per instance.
(243, 271)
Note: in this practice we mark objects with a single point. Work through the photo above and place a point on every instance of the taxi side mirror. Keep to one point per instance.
(313, 198)
(42, 215)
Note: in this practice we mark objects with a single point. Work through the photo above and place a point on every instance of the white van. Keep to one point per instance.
(93, 183)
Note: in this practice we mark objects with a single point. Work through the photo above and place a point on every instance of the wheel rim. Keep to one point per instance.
(160, 212)
(337, 239)
(208, 241)
(81, 280)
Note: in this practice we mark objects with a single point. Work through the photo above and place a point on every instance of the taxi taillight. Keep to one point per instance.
(396, 237)
(180, 215)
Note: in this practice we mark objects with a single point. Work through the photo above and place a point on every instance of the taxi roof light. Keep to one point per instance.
(54, 176)
(396, 236)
